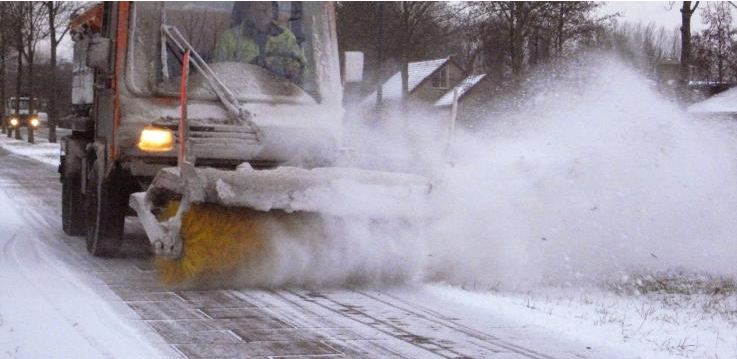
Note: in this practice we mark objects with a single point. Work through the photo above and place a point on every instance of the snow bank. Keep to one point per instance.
(41, 151)
(722, 103)
(657, 325)
(49, 309)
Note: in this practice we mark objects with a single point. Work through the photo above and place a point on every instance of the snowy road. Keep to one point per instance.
(56, 301)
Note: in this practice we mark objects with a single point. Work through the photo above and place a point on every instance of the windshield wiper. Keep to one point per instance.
(224, 94)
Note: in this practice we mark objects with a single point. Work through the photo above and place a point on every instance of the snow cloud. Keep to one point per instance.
(592, 177)
(595, 177)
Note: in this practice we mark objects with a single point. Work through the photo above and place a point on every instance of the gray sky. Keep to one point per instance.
(653, 11)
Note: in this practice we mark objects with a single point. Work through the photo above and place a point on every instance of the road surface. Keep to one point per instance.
(410, 322)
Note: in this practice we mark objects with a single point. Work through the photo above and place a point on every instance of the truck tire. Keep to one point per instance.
(106, 202)
(73, 215)
(72, 205)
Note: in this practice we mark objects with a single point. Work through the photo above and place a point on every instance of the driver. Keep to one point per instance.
(255, 38)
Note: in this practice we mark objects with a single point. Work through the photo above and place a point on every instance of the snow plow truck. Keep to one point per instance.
(206, 120)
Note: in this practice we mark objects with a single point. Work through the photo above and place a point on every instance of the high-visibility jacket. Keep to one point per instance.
(278, 51)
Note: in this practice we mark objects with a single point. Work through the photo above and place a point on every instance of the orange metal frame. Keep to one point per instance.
(91, 18)
(121, 48)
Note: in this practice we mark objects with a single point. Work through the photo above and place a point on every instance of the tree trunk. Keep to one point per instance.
(686, 13)
(18, 82)
(380, 50)
(559, 35)
(512, 49)
(52, 111)
(2, 82)
(31, 104)
(404, 60)
(516, 39)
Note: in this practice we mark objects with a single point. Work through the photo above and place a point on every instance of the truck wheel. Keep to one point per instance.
(106, 203)
(72, 205)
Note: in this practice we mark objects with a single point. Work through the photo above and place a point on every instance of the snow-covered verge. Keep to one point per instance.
(49, 306)
(42, 150)
(687, 318)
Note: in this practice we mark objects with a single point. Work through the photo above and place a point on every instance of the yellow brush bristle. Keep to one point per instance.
(216, 239)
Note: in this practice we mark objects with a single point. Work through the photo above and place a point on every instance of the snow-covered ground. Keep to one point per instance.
(669, 322)
(41, 150)
(49, 308)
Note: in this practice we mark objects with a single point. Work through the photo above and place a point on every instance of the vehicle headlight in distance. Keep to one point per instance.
(14, 122)
(35, 122)
(156, 139)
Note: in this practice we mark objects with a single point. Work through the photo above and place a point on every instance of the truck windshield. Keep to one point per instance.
(23, 104)
(259, 49)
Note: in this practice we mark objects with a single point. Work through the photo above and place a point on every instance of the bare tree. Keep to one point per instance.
(525, 34)
(33, 31)
(719, 35)
(58, 13)
(15, 22)
(686, 12)
(574, 20)
(4, 44)
(519, 18)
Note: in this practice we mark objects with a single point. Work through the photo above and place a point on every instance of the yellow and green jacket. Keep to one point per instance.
(279, 51)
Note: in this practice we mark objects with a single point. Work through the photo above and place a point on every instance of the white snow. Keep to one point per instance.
(42, 150)
(656, 325)
(462, 87)
(722, 103)
(417, 72)
(49, 309)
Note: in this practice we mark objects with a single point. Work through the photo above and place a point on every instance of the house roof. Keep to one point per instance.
(417, 72)
(462, 87)
(725, 102)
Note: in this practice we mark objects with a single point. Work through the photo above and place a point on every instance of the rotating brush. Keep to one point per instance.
(215, 241)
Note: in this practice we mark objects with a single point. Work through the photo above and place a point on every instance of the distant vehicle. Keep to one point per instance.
(23, 118)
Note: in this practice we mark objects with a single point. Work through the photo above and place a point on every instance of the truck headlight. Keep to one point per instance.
(35, 122)
(156, 139)
(14, 122)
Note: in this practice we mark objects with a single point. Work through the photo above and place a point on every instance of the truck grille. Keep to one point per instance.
(221, 141)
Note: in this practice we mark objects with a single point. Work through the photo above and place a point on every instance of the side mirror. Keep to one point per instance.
(98, 53)
(353, 66)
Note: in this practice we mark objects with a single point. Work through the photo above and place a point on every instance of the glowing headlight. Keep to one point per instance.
(14, 122)
(156, 139)
(35, 122)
